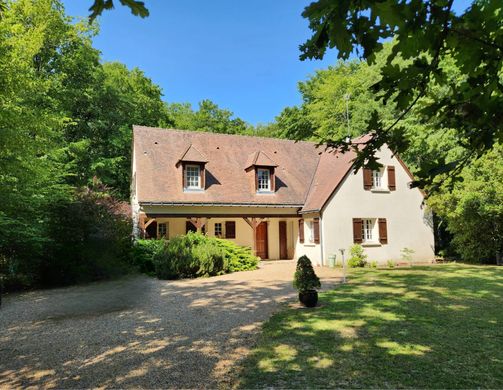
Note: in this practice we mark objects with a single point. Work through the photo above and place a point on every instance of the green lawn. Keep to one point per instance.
(426, 327)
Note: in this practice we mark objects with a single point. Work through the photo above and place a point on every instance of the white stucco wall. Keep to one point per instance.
(409, 224)
(310, 249)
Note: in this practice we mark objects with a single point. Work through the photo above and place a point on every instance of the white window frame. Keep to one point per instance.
(261, 182)
(188, 184)
(310, 231)
(221, 234)
(166, 234)
(369, 230)
(377, 179)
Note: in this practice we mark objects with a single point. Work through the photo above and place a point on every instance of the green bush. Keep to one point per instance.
(143, 254)
(358, 257)
(196, 255)
(391, 263)
(239, 258)
(305, 278)
(373, 264)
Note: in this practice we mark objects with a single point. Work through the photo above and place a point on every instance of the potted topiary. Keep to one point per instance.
(306, 282)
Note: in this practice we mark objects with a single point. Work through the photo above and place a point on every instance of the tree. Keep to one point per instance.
(473, 210)
(425, 35)
(209, 117)
(137, 7)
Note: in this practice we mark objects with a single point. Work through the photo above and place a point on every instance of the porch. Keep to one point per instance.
(272, 237)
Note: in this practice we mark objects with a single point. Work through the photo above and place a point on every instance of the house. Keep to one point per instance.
(282, 198)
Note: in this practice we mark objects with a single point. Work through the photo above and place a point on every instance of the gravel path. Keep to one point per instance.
(139, 331)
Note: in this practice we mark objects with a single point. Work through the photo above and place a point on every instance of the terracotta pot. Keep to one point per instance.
(308, 298)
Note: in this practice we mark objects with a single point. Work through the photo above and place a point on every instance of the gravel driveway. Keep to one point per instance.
(139, 331)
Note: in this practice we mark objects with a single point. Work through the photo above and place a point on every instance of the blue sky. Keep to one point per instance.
(243, 55)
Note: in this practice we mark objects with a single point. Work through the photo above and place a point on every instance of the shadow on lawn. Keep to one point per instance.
(139, 332)
(425, 327)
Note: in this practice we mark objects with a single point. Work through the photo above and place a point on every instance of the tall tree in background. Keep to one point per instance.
(209, 117)
(425, 33)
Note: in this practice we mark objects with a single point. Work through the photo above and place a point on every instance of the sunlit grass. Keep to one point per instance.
(421, 327)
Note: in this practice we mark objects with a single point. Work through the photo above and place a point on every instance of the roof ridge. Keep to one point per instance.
(228, 135)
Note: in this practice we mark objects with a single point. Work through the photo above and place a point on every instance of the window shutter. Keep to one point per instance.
(316, 230)
(383, 231)
(202, 176)
(367, 179)
(391, 178)
(184, 176)
(273, 180)
(230, 229)
(256, 179)
(357, 230)
(301, 231)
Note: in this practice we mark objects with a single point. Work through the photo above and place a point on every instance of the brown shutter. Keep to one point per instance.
(202, 173)
(316, 230)
(230, 229)
(256, 179)
(367, 179)
(273, 180)
(301, 231)
(184, 181)
(383, 231)
(391, 178)
(357, 230)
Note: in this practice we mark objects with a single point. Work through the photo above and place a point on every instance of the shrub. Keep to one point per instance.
(239, 258)
(358, 257)
(196, 255)
(143, 254)
(373, 264)
(391, 263)
(407, 254)
(305, 278)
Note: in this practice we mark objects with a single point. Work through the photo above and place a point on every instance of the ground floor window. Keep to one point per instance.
(368, 234)
(218, 229)
(162, 230)
(310, 231)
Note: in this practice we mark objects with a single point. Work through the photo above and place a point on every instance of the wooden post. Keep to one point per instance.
(198, 223)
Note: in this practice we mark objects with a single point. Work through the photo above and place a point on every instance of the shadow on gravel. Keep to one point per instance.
(136, 332)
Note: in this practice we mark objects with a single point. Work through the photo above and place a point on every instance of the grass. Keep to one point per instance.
(422, 327)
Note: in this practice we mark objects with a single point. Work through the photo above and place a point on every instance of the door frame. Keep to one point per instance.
(266, 239)
(283, 240)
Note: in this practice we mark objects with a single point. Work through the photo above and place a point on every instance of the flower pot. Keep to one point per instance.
(308, 298)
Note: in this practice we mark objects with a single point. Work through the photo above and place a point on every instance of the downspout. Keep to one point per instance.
(321, 239)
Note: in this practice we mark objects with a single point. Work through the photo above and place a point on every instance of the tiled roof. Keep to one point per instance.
(306, 175)
(260, 159)
(191, 154)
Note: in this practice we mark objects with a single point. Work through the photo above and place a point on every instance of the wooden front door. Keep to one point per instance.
(261, 241)
(283, 252)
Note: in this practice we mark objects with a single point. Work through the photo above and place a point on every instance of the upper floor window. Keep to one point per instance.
(377, 179)
(263, 180)
(192, 177)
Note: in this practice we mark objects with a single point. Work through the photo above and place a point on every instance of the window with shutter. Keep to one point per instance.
(391, 178)
(301, 231)
(316, 230)
(357, 230)
(230, 229)
(367, 179)
(383, 231)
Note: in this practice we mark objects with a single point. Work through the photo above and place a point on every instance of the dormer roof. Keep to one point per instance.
(192, 154)
(261, 159)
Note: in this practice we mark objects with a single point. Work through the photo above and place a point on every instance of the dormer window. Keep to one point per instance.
(264, 169)
(263, 180)
(192, 177)
(193, 164)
